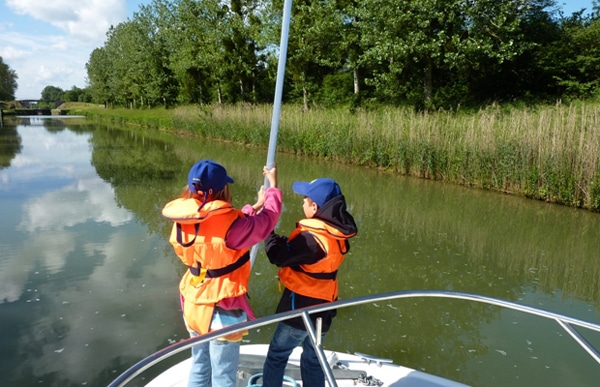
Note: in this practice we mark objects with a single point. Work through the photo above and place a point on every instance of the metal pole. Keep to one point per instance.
(316, 343)
(285, 29)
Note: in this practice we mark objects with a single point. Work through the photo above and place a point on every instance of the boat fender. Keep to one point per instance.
(287, 381)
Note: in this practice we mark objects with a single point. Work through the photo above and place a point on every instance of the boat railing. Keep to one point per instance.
(566, 322)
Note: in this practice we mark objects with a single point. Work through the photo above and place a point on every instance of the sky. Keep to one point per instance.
(48, 43)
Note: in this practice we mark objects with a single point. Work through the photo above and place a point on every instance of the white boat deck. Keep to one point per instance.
(252, 356)
(337, 363)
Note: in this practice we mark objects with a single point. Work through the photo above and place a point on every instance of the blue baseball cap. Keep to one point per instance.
(206, 175)
(319, 190)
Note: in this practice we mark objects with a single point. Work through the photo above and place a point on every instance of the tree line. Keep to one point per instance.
(426, 53)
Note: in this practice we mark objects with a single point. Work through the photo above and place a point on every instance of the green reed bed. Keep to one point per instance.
(548, 153)
(153, 118)
(242, 123)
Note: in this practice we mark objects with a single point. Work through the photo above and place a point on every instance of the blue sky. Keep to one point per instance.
(47, 43)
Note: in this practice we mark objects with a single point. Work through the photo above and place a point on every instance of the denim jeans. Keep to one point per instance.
(214, 363)
(282, 344)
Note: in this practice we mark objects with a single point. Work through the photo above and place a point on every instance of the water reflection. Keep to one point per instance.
(10, 145)
(88, 283)
(69, 254)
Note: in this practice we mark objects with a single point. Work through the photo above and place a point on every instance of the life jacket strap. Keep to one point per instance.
(212, 273)
(180, 235)
(321, 276)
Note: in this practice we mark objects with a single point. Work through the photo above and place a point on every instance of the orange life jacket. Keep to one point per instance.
(215, 271)
(319, 279)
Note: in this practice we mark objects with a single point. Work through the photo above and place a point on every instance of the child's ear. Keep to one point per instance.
(314, 207)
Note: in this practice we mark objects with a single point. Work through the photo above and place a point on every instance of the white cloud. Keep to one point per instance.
(12, 53)
(49, 43)
(86, 20)
(53, 231)
(86, 199)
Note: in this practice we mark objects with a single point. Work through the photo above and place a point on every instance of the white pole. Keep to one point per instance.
(285, 29)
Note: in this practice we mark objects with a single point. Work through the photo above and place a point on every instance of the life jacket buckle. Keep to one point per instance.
(198, 279)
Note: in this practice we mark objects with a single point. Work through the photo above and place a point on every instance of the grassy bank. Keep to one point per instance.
(548, 153)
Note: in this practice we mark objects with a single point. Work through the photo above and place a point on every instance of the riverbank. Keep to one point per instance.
(548, 153)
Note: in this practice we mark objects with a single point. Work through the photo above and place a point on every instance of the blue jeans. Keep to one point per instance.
(214, 363)
(282, 344)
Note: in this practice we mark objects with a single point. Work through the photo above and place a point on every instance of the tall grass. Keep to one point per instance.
(547, 153)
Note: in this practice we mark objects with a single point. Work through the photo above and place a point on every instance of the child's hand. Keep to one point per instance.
(260, 201)
(271, 175)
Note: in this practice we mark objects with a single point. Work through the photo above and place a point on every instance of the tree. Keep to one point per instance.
(8, 82)
(324, 54)
(99, 75)
(213, 48)
(522, 77)
(427, 53)
(241, 48)
(127, 65)
(138, 56)
(315, 46)
(574, 60)
(159, 85)
(416, 48)
(351, 39)
(73, 95)
(52, 94)
(189, 31)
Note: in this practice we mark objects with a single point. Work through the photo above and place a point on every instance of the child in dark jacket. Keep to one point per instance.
(309, 259)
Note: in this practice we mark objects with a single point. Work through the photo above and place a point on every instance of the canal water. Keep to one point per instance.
(88, 281)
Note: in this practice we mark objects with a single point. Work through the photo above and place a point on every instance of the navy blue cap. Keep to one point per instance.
(319, 190)
(206, 175)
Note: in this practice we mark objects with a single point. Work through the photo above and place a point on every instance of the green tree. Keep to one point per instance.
(192, 30)
(522, 78)
(574, 59)
(351, 36)
(159, 84)
(73, 95)
(8, 82)
(315, 47)
(127, 63)
(52, 94)
(427, 53)
(213, 48)
(139, 61)
(99, 73)
(240, 49)
(418, 48)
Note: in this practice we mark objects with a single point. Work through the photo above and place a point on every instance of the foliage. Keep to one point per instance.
(427, 54)
(578, 74)
(98, 70)
(75, 94)
(52, 94)
(8, 82)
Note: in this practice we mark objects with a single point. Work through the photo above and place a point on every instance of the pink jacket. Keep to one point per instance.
(247, 232)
